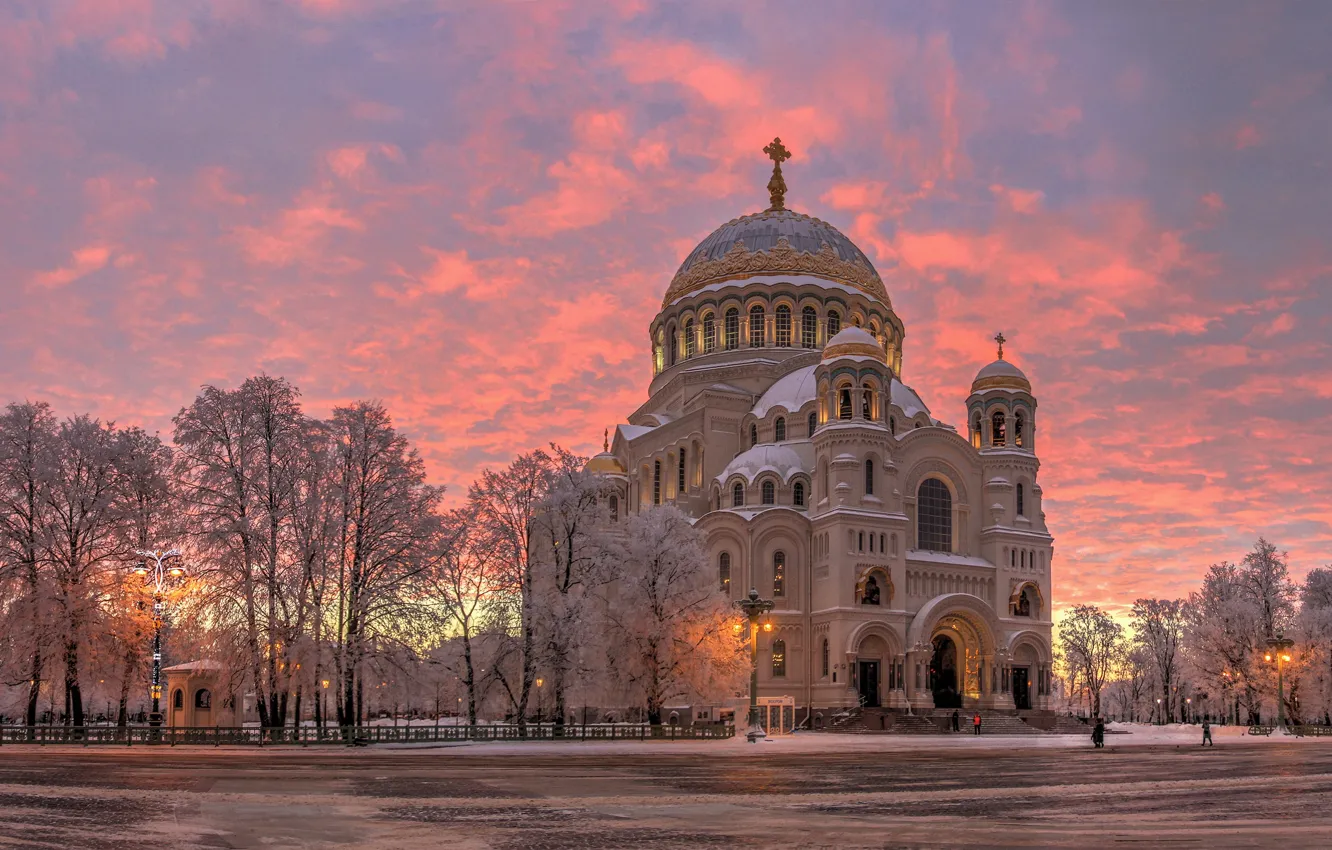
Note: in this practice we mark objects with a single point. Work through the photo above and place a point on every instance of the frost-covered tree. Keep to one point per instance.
(1315, 641)
(1158, 627)
(1222, 636)
(1091, 642)
(670, 628)
(465, 578)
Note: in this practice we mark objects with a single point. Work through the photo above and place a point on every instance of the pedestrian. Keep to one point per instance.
(975, 722)
(957, 726)
(1098, 733)
(1207, 734)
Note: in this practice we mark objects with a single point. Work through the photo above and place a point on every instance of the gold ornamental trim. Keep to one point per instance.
(855, 349)
(1001, 382)
(740, 263)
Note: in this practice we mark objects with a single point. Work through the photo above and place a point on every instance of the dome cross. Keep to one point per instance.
(999, 338)
(778, 153)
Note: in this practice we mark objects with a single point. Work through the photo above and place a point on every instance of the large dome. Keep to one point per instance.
(776, 242)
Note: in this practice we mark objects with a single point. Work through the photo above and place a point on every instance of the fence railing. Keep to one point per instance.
(355, 735)
(1302, 731)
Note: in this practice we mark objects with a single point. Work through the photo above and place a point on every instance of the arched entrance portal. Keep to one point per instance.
(944, 674)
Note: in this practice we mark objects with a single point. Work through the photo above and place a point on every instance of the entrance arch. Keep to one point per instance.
(943, 678)
(954, 638)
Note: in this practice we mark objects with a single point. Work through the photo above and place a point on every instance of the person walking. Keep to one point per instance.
(976, 722)
(957, 726)
(1098, 733)
(1207, 735)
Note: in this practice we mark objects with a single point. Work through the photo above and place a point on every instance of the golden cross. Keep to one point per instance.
(778, 153)
(605, 440)
(999, 338)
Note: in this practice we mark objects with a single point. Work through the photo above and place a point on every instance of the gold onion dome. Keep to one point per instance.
(605, 463)
(1000, 375)
(776, 241)
(854, 342)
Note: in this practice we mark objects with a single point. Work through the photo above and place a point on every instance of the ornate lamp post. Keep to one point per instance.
(163, 571)
(1278, 650)
(754, 608)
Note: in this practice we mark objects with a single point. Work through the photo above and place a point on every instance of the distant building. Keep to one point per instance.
(910, 565)
(195, 695)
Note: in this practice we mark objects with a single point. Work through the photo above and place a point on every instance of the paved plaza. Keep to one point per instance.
(868, 792)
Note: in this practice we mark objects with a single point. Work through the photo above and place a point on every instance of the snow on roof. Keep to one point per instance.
(201, 666)
(791, 391)
(792, 279)
(633, 432)
(906, 398)
(946, 558)
(782, 459)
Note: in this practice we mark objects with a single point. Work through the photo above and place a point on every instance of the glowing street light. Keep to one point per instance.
(164, 569)
(1278, 650)
(754, 608)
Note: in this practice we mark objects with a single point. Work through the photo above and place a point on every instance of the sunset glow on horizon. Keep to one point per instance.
(472, 211)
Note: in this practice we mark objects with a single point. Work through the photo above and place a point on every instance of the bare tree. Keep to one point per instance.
(670, 627)
(1091, 642)
(1158, 627)
(466, 577)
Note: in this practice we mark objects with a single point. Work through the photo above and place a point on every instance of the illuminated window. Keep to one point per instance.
(869, 478)
(724, 570)
(656, 482)
(834, 323)
(779, 430)
(997, 428)
(756, 326)
(732, 329)
(798, 495)
(779, 574)
(813, 423)
(1021, 503)
(976, 432)
(866, 402)
(783, 326)
(709, 334)
(779, 659)
(769, 493)
(737, 495)
(934, 516)
(809, 327)
(689, 338)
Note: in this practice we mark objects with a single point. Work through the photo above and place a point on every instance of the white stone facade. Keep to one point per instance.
(910, 565)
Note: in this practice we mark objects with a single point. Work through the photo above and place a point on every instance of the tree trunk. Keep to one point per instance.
(72, 682)
(470, 681)
(34, 684)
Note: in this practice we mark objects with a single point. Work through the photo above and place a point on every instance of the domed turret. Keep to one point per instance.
(854, 342)
(605, 463)
(1001, 408)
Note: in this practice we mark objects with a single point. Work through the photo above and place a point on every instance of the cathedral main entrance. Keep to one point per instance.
(869, 683)
(1021, 688)
(943, 674)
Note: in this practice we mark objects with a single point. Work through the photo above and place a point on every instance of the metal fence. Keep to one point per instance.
(354, 736)
(1301, 731)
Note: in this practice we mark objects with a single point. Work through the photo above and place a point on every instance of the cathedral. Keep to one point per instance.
(909, 565)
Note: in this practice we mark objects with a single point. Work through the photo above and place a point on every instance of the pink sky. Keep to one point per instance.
(471, 211)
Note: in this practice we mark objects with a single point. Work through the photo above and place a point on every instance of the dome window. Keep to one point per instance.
(738, 495)
(779, 430)
(732, 329)
(934, 516)
(709, 334)
(1019, 424)
(976, 432)
(844, 403)
(769, 493)
(998, 432)
(783, 326)
(834, 323)
(689, 338)
(798, 494)
(813, 423)
(756, 326)
(867, 402)
(809, 328)
(675, 346)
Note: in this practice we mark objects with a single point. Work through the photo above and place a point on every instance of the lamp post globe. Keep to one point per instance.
(754, 608)
(163, 570)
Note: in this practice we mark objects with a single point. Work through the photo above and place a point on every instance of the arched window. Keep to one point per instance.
(732, 329)
(1021, 503)
(689, 338)
(680, 473)
(825, 658)
(813, 423)
(769, 493)
(869, 477)
(658, 351)
(997, 428)
(779, 430)
(178, 699)
(1027, 605)
(934, 516)
(709, 333)
(798, 494)
(779, 574)
(778, 659)
(844, 403)
(203, 698)
(809, 327)
(870, 595)
(881, 542)
(724, 570)
(753, 435)
(834, 323)
(976, 432)
(892, 425)
(656, 482)
(675, 345)
(783, 326)
(756, 326)
(615, 508)
(1018, 423)
(866, 401)
(738, 495)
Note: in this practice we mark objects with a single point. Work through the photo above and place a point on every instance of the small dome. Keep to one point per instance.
(605, 463)
(1000, 375)
(854, 342)
(792, 391)
(783, 459)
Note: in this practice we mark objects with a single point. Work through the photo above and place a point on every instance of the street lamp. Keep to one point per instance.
(1188, 709)
(1159, 719)
(164, 570)
(754, 608)
(1278, 651)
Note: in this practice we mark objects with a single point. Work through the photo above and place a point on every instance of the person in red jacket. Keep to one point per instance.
(975, 722)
